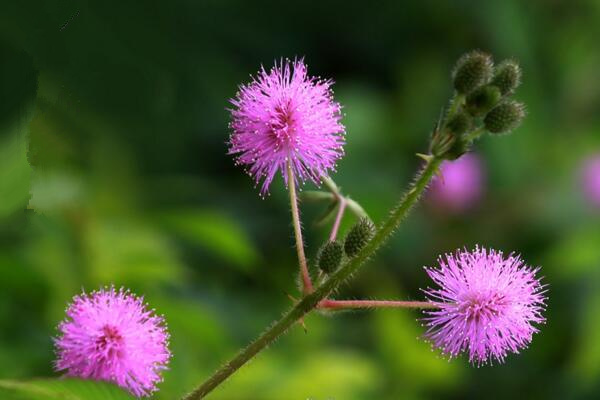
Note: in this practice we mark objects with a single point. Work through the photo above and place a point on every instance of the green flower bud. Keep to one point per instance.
(459, 148)
(507, 77)
(471, 71)
(505, 117)
(330, 256)
(359, 236)
(483, 100)
(459, 123)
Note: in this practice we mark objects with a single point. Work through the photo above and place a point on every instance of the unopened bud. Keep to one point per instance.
(359, 236)
(459, 123)
(483, 100)
(330, 256)
(505, 117)
(507, 77)
(472, 70)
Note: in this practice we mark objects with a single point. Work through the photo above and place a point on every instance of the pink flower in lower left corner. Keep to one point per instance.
(112, 336)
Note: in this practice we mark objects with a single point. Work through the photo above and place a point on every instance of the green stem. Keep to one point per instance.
(351, 204)
(312, 300)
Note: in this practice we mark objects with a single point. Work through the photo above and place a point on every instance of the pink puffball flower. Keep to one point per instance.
(487, 303)
(590, 180)
(112, 336)
(459, 185)
(284, 116)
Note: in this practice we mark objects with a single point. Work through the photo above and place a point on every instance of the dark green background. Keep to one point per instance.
(130, 184)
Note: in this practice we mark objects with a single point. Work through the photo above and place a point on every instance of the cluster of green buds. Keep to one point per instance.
(482, 103)
(331, 253)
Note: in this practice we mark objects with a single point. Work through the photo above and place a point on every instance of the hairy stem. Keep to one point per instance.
(307, 286)
(312, 300)
(352, 304)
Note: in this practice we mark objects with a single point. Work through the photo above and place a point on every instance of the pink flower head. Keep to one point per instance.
(284, 116)
(590, 180)
(487, 305)
(459, 185)
(112, 336)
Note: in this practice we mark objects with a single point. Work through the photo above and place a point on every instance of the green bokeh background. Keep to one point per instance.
(113, 169)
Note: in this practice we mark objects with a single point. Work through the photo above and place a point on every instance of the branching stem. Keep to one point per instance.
(311, 301)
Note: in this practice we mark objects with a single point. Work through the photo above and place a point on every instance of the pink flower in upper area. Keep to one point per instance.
(488, 304)
(459, 185)
(286, 116)
(112, 336)
(590, 180)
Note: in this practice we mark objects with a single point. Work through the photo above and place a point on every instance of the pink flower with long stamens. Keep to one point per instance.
(488, 305)
(112, 336)
(284, 116)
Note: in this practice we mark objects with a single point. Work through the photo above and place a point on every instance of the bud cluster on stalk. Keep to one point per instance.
(482, 103)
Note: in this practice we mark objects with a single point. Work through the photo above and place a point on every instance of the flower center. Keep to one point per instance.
(477, 307)
(110, 341)
(282, 125)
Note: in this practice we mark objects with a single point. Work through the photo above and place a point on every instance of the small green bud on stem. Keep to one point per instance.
(459, 123)
(507, 77)
(359, 236)
(483, 100)
(472, 70)
(330, 256)
(505, 117)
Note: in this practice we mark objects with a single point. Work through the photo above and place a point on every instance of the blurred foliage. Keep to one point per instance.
(113, 169)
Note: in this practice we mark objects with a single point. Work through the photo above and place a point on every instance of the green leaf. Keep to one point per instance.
(216, 232)
(62, 389)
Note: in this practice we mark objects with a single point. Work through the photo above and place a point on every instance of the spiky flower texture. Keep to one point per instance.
(111, 335)
(488, 305)
(286, 116)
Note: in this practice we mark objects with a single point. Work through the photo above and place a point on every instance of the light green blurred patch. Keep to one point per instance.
(323, 375)
(198, 340)
(216, 232)
(584, 367)
(127, 252)
(61, 389)
(51, 254)
(15, 171)
(53, 191)
(413, 366)
(578, 253)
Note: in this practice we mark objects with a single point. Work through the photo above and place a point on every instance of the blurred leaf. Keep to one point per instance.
(54, 191)
(62, 389)
(14, 173)
(128, 252)
(414, 366)
(577, 253)
(585, 363)
(322, 375)
(216, 232)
